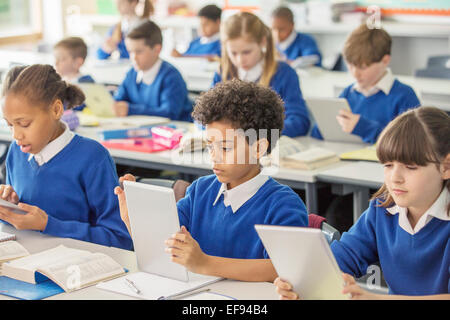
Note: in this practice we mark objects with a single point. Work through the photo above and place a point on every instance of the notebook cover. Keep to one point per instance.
(27, 291)
(134, 144)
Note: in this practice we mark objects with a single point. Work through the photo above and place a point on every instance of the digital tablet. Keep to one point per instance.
(303, 257)
(324, 111)
(11, 206)
(98, 99)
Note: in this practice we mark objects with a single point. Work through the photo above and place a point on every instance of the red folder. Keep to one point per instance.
(134, 144)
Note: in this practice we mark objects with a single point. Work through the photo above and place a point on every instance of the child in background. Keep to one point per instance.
(70, 55)
(152, 87)
(298, 49)
(129, 20)
(62, 180)
(208, 44)
(248, 53)
(407, 225)
(377, 97)
(219, 211)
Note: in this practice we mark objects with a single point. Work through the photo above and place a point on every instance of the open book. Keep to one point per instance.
(10, 250)
(71, 269)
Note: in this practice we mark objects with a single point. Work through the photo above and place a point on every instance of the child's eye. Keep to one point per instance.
(387, 165)
(411, 167)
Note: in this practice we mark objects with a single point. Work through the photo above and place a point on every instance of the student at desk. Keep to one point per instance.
(70, 55)
(249, 55)
(298, 49)
(129, 19)
(377, 97)
(62, 180)
(208, 44)
(152, 87)
(219, 211)
(407, 225)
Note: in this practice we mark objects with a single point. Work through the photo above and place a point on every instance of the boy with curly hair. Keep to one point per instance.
(219, 211)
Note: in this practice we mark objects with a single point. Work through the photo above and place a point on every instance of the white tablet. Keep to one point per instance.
(303, 257)
(11, 206)
(153, 219)
(324, 111)
(98, 99)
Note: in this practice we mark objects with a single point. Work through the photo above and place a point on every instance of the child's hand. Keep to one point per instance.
(123, 201)
(109, 45)
(347, 120)
(35, 219)
(7, 193)
(121, 108)
(284, 289)
(355, 291)
(186, 251)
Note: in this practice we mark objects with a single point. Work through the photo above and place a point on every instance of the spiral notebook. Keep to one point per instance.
(4, 236)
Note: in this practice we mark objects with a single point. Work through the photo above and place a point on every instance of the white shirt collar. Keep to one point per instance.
(54, 147)
(239, 195)
(288, 41)
(384, 84)
(73, 80)
(253, 74)
(437, 210)
(213, 38)
(149, 75)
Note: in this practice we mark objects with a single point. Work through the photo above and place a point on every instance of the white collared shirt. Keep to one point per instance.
(288, 41)
(149, 75)
(213, 38)
(54, 147)
(437, 210)
(253, 74)
(384, 84)
(240, 194)
(73, 80)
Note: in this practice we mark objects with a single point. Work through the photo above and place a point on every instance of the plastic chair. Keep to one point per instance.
(330, 233)
(433, 72)
(439, 61)
(3, 153)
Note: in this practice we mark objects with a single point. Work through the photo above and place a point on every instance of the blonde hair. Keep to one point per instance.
(147, 11)
(245, 24)
(416, 137)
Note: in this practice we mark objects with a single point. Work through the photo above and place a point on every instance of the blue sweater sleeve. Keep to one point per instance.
(287, 85)
(121, 93)
(105, 226)
(357, 248)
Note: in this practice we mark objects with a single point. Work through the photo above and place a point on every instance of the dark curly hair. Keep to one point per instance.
(246, 105)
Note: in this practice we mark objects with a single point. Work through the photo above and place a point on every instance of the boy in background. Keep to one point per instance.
(376, 97)
(298, 49)
(208, 44)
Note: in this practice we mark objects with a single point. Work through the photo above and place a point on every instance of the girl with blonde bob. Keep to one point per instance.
(406, 227)
(248, 53)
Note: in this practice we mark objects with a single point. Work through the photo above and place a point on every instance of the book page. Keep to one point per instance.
(11, 250)
(79, 271)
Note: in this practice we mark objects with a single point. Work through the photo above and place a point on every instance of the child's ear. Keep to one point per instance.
(57, 109)
(446, 167)
(79, 62)
(261, 147)
(386, 59)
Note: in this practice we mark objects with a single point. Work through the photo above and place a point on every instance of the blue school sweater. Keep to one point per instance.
(196, 48)
(167, 96)
(376, 110)
(416, 264)
(222, 233)
(303, 45)
(285, 82)
(102, 55)
(75, 189)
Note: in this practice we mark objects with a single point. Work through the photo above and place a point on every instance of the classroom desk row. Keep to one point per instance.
(36, 242)
(198, 74)
(346, 177)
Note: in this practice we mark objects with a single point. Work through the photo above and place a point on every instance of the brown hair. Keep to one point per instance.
(245, 24)
(147, 11)
(418, 136)
(41, 85)
(283, 13)
(365, 46)
(75, 45)
(148, 31)
(246, 105)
